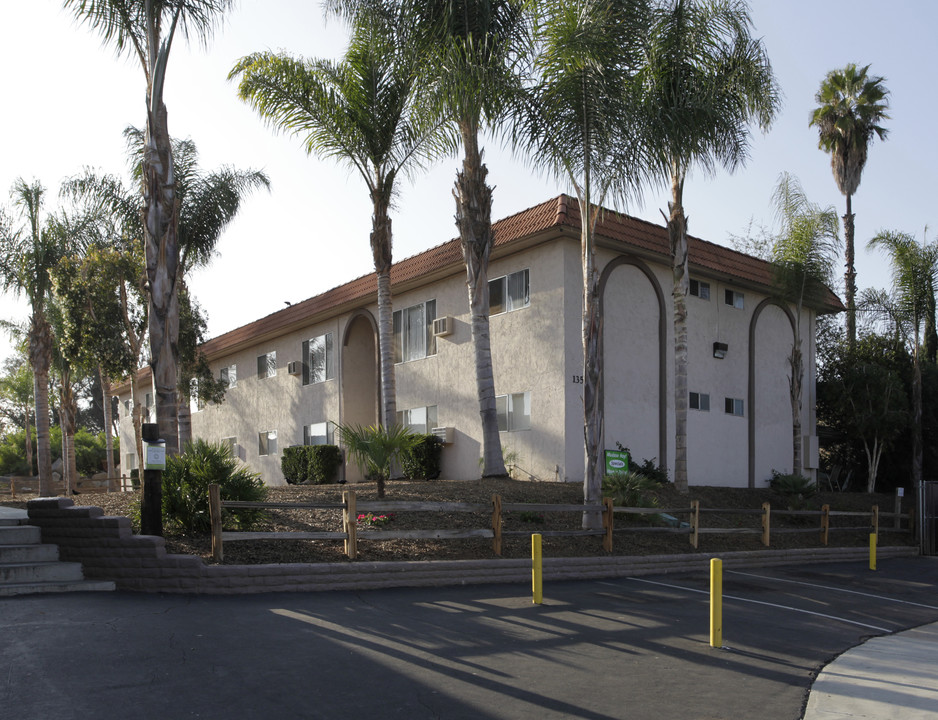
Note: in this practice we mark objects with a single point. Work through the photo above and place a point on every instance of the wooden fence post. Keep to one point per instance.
(214, 512)
(766, 523)
(694, 522)
(875, 520)
(607, 524)
(897, 520)
(350, 524)
(825, 523)
(497, 524)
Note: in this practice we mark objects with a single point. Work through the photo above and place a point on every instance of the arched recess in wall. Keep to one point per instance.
(631, 260)
(752, 375)
(359, 396)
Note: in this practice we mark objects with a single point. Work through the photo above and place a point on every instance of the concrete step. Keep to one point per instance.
(20, 535)
(15, 573)
(31, 553)
(7, 590)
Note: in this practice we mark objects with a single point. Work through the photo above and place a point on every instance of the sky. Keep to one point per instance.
(67, 98)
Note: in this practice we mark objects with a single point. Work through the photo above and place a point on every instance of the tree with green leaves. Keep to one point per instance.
(914, 269)
(851, 106)
(375, 448)
(578, 121)
(145, 29)
(366, 112)
(705, 80)
(803, 253)
(17, 400)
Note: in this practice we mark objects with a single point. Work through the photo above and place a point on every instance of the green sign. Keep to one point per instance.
(616, 461)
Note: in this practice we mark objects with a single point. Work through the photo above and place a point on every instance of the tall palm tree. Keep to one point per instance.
(851, 106)
(28, 253)
(366, 112)
(145, 29)
(803, 254)
(914, 274)
(705, 80)
(579, 122)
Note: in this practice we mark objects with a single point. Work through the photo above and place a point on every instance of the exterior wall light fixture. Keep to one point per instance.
(719, 350)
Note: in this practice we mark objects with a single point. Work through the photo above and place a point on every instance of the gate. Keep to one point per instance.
(929, 518)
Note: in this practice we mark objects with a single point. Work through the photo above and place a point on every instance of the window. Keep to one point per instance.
(413, 332)
(318, 363)
(319, 434)
(514, 411)
(700, 289)
(195, 402)
(128, 407)
(130, 462)
(229, 376)
(420, 420)
(267, 443)
(734, 299)
(700, 401)
(267, 365)
(147, 406)
(734, 406)
(509, 292)
(232, 444)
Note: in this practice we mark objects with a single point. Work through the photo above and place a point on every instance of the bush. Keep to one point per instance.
(793, 485)
(630, 489)
(185, 488)
(316, 464)
(422, 460)
(648, 468)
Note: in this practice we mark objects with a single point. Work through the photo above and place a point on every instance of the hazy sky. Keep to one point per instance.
(66, 100)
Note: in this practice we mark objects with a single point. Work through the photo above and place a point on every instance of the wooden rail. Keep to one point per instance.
(351, 507)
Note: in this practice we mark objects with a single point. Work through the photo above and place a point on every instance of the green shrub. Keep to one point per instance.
(648, 468)
(185, 488)
(316, 464)
(630, 489)
(793, 485)
(422, 460)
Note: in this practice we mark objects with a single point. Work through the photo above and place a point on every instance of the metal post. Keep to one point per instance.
(716, 603)
(151, 498)
(536, 577)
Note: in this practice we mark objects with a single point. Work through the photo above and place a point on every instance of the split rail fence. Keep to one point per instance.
(351, 507)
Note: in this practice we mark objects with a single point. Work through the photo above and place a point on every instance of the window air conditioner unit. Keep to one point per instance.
(444, 433)
(443, 326)
(295, 367)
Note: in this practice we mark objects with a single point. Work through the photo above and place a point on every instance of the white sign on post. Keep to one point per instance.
(156, 457)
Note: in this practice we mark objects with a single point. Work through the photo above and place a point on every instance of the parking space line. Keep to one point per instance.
(759, 602)
(835, 589)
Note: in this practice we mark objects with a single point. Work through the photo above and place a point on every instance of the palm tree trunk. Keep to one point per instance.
(381, 250)
(184, 419)
(795, 384)
(108, 430)
(850, 277)
(474, 219)
(677, 234)
(592, 368)
(29, 442)
(67, 413)
(917, 452)
(40, 358)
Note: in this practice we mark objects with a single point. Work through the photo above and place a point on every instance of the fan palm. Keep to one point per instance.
(145, 29)
(364, 111)
(851, 106)
(376, 448)
(704, 81)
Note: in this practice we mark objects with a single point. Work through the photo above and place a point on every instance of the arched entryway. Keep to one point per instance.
(359, 397)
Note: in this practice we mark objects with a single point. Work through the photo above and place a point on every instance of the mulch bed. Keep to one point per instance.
(511, 491)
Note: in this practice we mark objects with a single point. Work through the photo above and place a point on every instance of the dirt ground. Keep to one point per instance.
(642, 541)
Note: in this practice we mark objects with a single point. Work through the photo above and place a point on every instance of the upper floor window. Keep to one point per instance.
(413, 332)
(267, 365)
(318, 362)
(229, 376)
(128, 407)
(420, 420)
(195, 402)
(147, 407)
(509, 292)
(700, 401)
(734, 299)
(734, 406)
(700, 289)
(514, 411)
(319, 434)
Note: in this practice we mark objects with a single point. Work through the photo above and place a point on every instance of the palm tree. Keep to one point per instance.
(705, 80)
(803, 254)
(366, 112)
(376, 448)
(145, 29)
(914, 274)
(579, 122)
(852, 104)
(28, 254)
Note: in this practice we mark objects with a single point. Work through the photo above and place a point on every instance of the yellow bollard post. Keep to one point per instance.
(716, 603)
(872, 551)
(536, 579)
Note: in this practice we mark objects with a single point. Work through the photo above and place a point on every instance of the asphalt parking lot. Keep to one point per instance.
(622, 648)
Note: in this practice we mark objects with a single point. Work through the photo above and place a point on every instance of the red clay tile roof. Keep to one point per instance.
(562, 212)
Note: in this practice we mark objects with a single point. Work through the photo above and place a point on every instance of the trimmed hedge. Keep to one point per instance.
(310, 464)
(422, 461)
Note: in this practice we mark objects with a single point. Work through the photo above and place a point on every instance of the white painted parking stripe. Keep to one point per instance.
(835, 589)
(759, 602)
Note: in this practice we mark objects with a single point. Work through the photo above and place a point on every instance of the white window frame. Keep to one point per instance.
(320, 345)
(734, 406)
(700, 289)
(511, 419)
(267, 443)
(419, 420)
(270, 359)
(515, 290)
(409, 344)
(229, 376)
(315, 431)
(699, 401)
(734, 299)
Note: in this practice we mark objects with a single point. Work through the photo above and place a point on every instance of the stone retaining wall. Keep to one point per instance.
(108, 550)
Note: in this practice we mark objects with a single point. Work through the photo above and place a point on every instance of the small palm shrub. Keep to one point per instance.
(422, 460)
(797, 488)
(185, 488)
(630, 489)
(376, 448)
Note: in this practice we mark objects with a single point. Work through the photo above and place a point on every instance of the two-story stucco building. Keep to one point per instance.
(294, 373)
